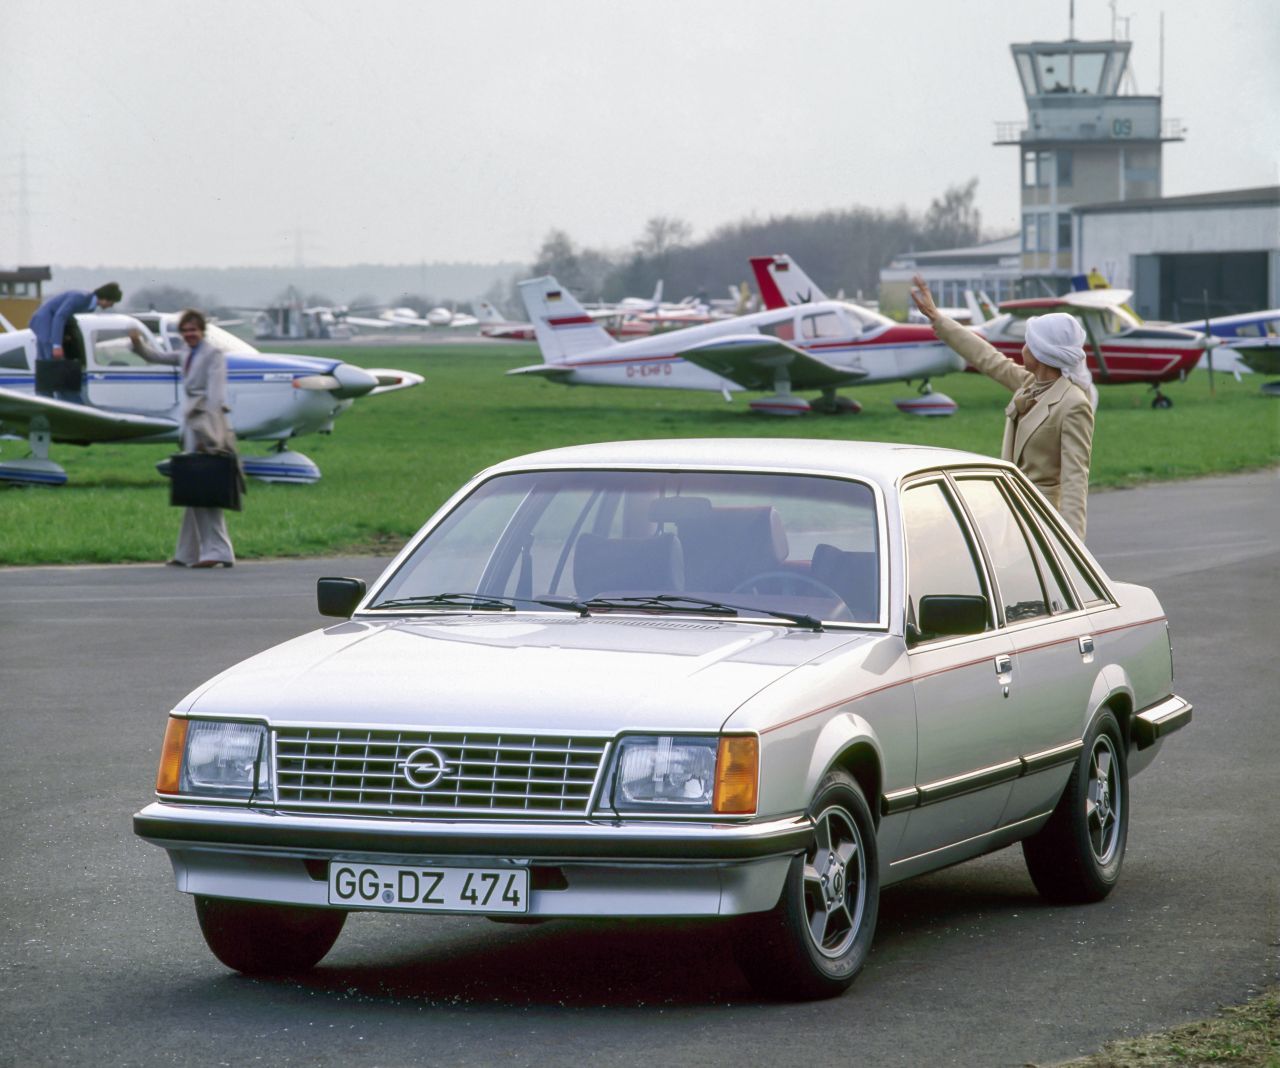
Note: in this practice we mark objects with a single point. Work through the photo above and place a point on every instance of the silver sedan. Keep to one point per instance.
(756, 679)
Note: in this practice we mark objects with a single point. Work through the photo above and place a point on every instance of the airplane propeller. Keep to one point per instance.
(345, 382)
(1209, 344)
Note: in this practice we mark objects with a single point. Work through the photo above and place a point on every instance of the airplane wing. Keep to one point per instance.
(358, 320)
(552, 371)
(76, 422)
(752, 360)
(462, 319)
(1085, 298)
(390, 380)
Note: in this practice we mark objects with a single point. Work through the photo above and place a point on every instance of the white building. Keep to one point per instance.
(1172, 251)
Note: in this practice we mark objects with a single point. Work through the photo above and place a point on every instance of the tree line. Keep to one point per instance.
(840, 249)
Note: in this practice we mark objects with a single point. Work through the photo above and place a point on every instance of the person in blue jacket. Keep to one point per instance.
(49, 323)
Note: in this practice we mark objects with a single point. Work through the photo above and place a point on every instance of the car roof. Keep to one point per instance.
(881, 462)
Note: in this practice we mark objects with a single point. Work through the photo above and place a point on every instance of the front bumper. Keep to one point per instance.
(590, 868)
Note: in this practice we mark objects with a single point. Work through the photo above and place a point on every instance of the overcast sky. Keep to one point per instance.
(180, 133)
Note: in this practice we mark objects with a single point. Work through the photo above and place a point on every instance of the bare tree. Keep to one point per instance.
(952, 220)
(663, 234)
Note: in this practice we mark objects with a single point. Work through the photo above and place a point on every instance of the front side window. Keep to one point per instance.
(940, 560)
(790, 543)
(1021, 593)
(112, 348)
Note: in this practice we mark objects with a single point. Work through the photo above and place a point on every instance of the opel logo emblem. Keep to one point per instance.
(425, 767)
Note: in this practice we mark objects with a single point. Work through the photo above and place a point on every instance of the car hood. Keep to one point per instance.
(528, 673)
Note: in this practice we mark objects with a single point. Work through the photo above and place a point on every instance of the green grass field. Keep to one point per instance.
(392, 460)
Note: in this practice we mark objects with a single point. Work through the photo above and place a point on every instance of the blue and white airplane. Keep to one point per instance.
(272, 397)
(1250, 342)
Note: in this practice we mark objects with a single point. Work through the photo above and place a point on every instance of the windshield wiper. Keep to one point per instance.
(481, 602)
(678, 602)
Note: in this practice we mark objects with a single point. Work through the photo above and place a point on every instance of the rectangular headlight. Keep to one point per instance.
(680, 773)
(225, 759)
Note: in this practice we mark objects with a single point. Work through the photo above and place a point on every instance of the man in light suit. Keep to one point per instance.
(203, 540)
(1048, 429)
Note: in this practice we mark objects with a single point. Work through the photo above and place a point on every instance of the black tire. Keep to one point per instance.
(1162, 401)
(1076, 857)
(260, 939)
(814, 941)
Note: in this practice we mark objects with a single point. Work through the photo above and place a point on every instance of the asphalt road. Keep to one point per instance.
(101, 961)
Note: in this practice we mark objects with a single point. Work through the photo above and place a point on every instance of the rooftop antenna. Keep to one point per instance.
(1160, 89)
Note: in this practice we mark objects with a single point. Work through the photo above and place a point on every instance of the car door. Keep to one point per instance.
(965, 760)
(1053, 665)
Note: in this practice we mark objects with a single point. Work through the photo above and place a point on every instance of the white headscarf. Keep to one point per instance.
(1058, 340)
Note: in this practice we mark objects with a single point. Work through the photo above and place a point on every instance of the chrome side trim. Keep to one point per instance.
(899, 801)
(1164, 717)
(945, 789)
(1051, 758)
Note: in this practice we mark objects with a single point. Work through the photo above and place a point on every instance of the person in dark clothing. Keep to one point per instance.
(50, 322)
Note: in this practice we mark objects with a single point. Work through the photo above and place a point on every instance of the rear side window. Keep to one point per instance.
(1021, 592)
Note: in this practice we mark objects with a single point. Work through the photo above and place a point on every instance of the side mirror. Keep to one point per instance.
(339, 596)
(946, 614)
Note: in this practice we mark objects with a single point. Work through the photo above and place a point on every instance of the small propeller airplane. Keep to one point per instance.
(1121, 348)
(823, 346)
(407, 317)
(1250, 343)
(273, 397)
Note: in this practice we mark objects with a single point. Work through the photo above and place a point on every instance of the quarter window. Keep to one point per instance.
(1020, 589)
(1086, 587)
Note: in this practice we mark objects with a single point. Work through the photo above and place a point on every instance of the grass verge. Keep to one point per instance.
(1241, 1036)
(393, 460)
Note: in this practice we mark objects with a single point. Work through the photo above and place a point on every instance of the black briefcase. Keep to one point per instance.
(57, 376)
(205, 480)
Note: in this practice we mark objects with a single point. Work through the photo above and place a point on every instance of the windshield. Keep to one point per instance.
(772, 542)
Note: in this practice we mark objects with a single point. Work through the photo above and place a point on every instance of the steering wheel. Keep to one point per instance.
(794, 579)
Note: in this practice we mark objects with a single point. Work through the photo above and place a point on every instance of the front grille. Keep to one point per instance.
(335, 770)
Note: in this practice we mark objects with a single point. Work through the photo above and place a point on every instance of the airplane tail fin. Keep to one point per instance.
(657, 295)
(560, 324)
(486, 312)
(782, 282)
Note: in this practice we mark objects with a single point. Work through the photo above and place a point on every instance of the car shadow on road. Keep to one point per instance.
(618, 963)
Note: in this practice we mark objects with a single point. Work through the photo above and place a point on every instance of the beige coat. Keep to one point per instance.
(1053, 442)
(205, 426)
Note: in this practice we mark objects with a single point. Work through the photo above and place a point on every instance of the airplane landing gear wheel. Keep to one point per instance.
(1161, 401)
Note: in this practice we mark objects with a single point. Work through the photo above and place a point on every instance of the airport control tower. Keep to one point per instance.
(1089, 138)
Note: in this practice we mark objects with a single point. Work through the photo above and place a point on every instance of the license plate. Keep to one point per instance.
(388, 886)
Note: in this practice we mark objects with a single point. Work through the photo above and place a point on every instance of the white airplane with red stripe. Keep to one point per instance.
(1121, 348)
(822, 347)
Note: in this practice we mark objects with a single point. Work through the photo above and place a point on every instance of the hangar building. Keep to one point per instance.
(1171, 251)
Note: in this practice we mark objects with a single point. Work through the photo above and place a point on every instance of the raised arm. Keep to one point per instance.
(138, 341)
(972, 347)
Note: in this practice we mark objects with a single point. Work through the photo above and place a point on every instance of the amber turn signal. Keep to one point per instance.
(175, 741)
(737, 775)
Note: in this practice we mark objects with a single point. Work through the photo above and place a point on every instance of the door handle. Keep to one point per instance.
(1004, 672)
(1086, 647)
